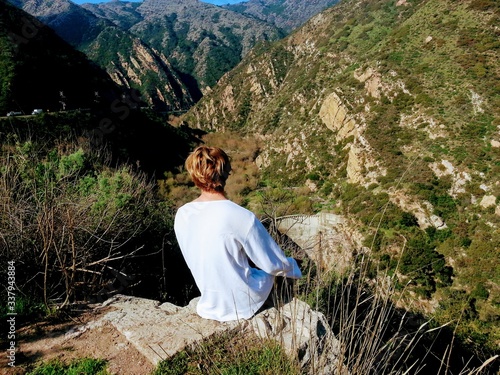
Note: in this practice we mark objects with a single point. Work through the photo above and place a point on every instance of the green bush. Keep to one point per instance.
(176, 365)
(76, 217)
(408, 220)
(84, 366)
(480, 292)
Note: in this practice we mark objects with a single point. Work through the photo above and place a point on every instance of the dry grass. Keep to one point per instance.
(376, 337)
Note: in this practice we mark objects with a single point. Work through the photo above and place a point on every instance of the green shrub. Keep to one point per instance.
(176, 365)
(408, 220)
(480, 292)
(76, 217)
(84, 366)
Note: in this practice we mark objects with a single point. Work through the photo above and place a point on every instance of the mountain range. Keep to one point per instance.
(128, 60)
(171, 51)
(202, 41)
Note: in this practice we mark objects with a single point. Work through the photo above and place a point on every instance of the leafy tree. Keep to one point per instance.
(424, 265)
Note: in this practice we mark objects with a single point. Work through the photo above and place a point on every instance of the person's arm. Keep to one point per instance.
(265, 253)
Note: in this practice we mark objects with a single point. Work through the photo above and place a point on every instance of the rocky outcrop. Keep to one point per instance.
(326, 238)
(490, 201)
(361, 165)
(459, 178)
(304, 334)
(377, 85)
(335, 116)
(159, 331)
(422, 210)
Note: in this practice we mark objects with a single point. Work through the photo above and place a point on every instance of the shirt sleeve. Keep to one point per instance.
(265, 253)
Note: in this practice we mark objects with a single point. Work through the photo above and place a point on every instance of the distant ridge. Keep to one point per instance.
(202, 41)
(285, 14)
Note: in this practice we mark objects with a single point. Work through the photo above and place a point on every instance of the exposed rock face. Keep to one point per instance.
(489, 200)
(376, 84)
(433, 129)
(335, 116)
(157, 330)
(460, 178)
(161, 330)
(135, 69)
(326, 238)
(361, 165)
(303, 333)
(421, 209)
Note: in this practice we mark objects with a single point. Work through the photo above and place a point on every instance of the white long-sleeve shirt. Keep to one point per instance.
(216, 239)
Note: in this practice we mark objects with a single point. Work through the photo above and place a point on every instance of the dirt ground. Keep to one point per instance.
(62, 339)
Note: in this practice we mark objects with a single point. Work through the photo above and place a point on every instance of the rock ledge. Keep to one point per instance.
(159, 331)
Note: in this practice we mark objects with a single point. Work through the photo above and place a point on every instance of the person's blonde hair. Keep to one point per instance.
(209, 168)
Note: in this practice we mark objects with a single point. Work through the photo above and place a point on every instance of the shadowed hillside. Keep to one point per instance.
(39, 70)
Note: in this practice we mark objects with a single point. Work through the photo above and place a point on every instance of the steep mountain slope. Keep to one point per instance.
(285, 14)
(123, 14)
(133, 64)
(128, 60)
(389, 112)
(69, 20)
(201, 40)
(39, 70)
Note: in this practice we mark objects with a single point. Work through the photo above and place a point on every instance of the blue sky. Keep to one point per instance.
(216, 2)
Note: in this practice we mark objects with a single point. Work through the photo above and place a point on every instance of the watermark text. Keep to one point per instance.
(11, 313)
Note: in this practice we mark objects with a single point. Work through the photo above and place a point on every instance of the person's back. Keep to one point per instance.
(217, 238)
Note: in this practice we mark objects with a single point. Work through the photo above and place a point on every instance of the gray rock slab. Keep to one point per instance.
(157, 330)
(303, 333)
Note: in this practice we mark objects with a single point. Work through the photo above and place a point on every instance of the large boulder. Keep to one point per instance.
(303, 333)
